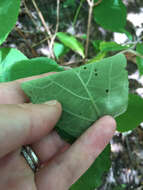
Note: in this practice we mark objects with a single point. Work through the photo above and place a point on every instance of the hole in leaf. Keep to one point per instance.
(107, 90)
(85, 68)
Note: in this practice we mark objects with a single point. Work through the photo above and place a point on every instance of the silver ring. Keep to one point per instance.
(30, 157)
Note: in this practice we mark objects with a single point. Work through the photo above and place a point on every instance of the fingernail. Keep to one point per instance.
(51, 102)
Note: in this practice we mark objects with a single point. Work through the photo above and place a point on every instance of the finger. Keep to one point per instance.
(11, 92)
(76, 160)
(25, 123)
(48, 146)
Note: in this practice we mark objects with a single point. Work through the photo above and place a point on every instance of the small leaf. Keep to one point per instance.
(8, 15)
(60, 50)
(100, 87)
(112, 46)
(96, 45)
(133, 116)
(111, 15)
(92, 178)
(139, 60)
(26, 68)
(98, 57)
(71, 42)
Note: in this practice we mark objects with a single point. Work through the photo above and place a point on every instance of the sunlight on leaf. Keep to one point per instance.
(71, 42)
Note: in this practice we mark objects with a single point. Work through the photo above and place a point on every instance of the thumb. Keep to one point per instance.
(26, 123)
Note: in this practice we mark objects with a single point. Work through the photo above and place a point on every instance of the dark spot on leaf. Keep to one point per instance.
(85, 68)
(96, 74)
(107, 90)
(95, 70)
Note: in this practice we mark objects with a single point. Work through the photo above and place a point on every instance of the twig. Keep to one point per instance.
(37, 44)
(29, 14)
(91, 5)
(57, 27)
(133, 52)
(42, 18)
(98, 2)
(77, 12)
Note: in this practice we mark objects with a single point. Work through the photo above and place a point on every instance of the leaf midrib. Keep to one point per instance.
(90, 97)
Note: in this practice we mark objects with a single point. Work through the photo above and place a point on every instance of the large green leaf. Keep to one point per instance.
(92, 178)
(139, 60)
(111, 15)
(86, 93)
(30, 67)
(8, 15)
(71, 42)
(133, 116)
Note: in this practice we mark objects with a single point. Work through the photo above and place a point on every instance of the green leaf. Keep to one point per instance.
(86, 93)
(111, 15)
(139, 60)
(112, 46)
(8, 56)
(71, 42)
(92, 178)
(26, 68)
(133, 116)
(60, 50)
(8, 15)
(98, 57)
(96, 45)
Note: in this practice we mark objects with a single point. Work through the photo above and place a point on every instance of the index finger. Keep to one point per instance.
(11, 92)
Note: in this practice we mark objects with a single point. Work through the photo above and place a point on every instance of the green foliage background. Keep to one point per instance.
(111, 16)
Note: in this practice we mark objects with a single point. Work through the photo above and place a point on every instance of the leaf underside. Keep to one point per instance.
(86, 93)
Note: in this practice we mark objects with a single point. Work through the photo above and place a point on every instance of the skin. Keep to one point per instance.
(61, 164)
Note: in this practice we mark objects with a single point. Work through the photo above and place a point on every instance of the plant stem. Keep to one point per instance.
(57, 27)
(45, 26)
(91, 5)
(77, 12)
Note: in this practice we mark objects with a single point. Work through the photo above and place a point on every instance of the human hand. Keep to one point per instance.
(22, 124)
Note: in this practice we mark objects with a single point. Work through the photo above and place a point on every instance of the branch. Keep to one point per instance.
(97, 3)
(42, 18)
